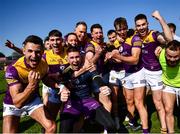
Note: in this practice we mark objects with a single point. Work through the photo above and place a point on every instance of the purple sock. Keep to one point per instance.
(145, 131)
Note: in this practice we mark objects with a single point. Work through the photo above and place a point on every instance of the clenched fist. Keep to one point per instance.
(105, 90)
(65, 95)
(156, 15)
(34, 78)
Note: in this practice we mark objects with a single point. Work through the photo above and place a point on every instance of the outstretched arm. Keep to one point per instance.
(165, 27)
(9, 44)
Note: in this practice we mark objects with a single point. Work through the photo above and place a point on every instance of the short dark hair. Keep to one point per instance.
(55, 32)
(67, 35)
(71, 34)
(139, 17)
(173, 26)
(72, 49)
(34, 39)
(81, 23)
(95, 26)
(119, 22)
(173, 45)
(130, 32)
(110, 32)
(46, 39)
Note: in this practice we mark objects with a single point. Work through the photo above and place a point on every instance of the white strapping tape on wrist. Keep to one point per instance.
(61, 86)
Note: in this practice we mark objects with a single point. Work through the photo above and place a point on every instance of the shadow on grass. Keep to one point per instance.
(150, 109)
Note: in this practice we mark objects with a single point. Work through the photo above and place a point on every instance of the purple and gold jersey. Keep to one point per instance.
(150, 61)
(112, 64)
(101, 66)
(126, 48)
(55, 62)
(116, 44)
(18, 73)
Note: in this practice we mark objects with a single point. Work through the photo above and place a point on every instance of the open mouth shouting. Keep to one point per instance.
(34, 62)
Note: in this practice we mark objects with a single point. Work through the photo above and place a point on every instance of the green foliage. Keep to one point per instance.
(2, 89)
(2, 81)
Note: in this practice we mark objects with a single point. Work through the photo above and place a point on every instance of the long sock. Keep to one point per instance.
(145, 131)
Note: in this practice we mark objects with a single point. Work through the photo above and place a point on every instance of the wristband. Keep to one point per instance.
(61, 86)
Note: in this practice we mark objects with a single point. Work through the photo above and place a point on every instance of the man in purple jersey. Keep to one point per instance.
(22, 94)
(129, 54)
(151, 67)
(56, 59)
(116, 74)
(82, 35)
(95, 53)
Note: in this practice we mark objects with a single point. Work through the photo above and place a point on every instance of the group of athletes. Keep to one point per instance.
(83, 76)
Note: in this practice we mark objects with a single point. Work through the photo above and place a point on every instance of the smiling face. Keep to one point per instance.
(112, 37)
(81, 31)
(74, 60)
(56, 44)
(142, 27)
(72, 40)
(47, 45)
(122, 31)
(97, 35)
(33, 54)
(172, 57)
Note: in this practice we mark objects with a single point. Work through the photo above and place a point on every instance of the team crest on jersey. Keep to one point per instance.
(76, 81)
(142, 45)
(62, 68)
(120, 49)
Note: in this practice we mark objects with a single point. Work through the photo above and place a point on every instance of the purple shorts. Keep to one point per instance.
(83, 106)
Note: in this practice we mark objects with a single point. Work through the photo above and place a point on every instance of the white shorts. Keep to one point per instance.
(9, 109)
(53, 96)
(115, 77)
(172, 90)
(153, 78)
(134, 80)
(45, 89)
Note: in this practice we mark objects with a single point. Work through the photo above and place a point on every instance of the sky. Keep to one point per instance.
(21, 18)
